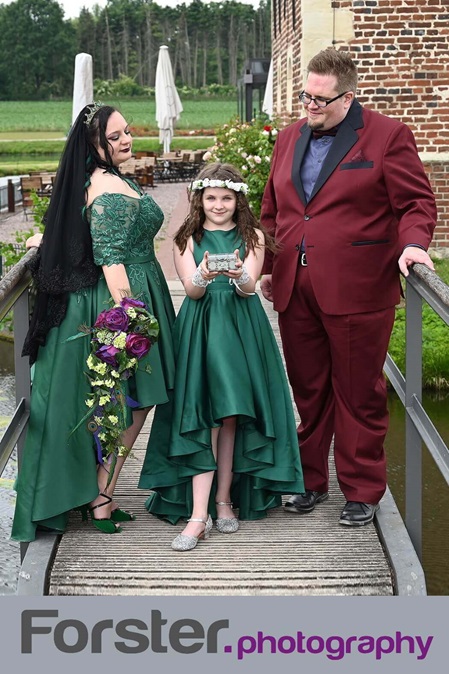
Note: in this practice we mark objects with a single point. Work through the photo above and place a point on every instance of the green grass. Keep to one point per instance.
(18, 157)
(56, 116)
(32, 132)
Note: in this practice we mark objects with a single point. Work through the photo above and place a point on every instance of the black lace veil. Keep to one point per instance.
(64, 262)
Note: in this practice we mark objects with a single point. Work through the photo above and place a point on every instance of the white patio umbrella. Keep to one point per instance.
(83, 87)
(267, 105)
(168, 103)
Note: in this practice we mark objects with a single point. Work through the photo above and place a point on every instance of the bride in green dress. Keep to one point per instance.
(98, 244)
(233, 436)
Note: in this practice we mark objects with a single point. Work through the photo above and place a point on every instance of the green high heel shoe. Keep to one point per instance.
(119, 515)
(104, 524)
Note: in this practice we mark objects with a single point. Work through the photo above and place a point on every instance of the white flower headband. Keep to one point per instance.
(228, 184)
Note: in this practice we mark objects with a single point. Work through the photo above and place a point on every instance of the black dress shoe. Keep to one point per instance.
(356, 514)
(305, 503)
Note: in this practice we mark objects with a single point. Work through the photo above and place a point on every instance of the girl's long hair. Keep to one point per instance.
(193, 225)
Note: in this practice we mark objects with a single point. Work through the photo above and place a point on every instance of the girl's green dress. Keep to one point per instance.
(58, 471)
(227, 363)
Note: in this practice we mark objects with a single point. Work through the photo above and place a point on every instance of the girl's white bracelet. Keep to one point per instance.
(244, 278)
(199, 280)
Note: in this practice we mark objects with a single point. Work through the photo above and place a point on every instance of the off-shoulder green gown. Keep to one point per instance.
(58, 471)
(227, 363)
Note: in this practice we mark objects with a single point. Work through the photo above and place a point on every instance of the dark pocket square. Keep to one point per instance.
(356, 165)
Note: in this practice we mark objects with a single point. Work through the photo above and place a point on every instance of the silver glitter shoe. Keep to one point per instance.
(183, 542)
(226, 525)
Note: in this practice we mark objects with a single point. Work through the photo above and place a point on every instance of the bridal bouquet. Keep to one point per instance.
(120, 338)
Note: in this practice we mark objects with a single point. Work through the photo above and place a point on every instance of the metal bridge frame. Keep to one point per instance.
(403, 544)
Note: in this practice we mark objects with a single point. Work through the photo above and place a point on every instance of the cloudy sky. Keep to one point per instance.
(72, 7)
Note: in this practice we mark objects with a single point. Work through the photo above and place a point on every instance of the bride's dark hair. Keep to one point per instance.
(64, 262)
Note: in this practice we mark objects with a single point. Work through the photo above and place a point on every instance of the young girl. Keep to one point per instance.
(233, 436)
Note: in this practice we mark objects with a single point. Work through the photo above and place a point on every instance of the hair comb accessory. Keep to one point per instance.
(93, 109)
(228, 184)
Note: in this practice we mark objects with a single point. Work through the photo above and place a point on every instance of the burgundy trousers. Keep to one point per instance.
(334, 365)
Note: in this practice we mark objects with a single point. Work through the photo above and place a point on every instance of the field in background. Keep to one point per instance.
(56, 116)
(32, 132)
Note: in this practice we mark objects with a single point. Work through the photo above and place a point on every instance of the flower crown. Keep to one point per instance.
(228, 184)
(93, 109)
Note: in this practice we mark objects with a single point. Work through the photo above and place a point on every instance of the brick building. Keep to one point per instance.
(401, 48)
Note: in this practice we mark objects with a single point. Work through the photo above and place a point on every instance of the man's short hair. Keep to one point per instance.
(338, 63)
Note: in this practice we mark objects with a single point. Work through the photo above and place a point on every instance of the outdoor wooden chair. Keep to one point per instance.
(27, 185)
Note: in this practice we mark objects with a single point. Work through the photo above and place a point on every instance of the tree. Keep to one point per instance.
(38, 50)
(209, 43)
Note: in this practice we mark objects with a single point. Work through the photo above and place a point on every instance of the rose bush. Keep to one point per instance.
(249, 148)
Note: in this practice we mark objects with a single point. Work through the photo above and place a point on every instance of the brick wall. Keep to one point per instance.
(401, 48)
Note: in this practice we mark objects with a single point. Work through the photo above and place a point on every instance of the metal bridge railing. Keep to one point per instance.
(14, 295)
(421, 284)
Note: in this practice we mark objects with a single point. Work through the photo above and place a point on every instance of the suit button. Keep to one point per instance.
(298, 247)
(307, 217)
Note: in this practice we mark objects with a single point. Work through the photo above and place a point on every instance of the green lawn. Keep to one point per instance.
(32, 132)
(56, 116)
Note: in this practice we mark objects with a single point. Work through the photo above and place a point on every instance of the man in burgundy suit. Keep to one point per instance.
(348, 211)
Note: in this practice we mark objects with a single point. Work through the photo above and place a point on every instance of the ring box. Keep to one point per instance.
(221, 262)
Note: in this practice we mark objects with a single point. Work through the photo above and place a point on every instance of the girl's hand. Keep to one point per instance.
(237, 272)
(205, 273)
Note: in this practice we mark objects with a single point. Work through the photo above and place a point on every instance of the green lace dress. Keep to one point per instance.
(227, 363)
(58, 471)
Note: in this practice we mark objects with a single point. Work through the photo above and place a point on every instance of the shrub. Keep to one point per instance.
(249, 148)
(11, 253)
(123, 87)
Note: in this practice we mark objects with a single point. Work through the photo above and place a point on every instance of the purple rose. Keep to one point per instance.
(137, 345)
(99, 323)
(107, 354)
(128, 302)
(115, 319)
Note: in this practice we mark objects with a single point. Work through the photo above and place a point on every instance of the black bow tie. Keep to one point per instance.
(319, 133)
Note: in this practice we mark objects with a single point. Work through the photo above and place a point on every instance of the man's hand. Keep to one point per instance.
(412, 254)
(266, 287)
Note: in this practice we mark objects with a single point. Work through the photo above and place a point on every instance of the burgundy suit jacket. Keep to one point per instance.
(372, 198)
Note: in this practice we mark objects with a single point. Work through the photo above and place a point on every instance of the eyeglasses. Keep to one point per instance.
(306, 99)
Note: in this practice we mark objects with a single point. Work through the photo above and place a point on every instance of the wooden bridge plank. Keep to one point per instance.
(285, 554)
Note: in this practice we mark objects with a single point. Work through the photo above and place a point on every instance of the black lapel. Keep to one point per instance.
(346, 137)
(298, 156)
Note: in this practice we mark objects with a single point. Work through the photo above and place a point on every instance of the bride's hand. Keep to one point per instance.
(34, 241)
